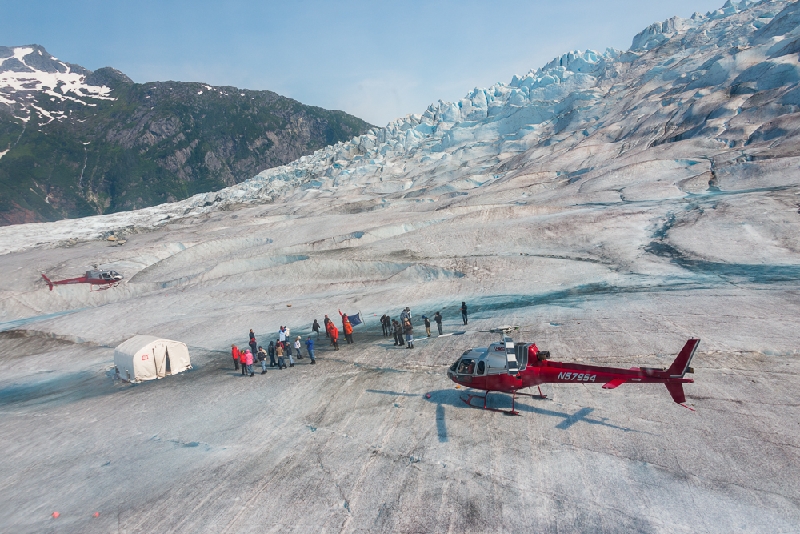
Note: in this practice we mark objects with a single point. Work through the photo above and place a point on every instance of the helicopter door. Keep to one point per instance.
(522, 355)
(496, 359)
(511, 358)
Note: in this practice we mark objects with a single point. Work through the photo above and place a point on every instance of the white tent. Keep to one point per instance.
(150, 357)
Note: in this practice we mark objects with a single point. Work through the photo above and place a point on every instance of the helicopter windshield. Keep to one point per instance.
(465, 366)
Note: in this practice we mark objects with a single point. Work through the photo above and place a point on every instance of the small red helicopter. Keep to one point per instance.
(508, 367)
(102, 279)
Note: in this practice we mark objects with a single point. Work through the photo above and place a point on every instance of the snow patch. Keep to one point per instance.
(18, 85)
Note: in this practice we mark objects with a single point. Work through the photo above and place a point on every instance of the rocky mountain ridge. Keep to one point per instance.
(75, 142)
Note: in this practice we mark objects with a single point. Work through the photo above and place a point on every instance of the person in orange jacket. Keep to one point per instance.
(334, 333)
(347, 327)
(235, 354)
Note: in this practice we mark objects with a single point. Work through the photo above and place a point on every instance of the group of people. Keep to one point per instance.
(403, 330)
(277, 352)
(283, 348)
(332, 332)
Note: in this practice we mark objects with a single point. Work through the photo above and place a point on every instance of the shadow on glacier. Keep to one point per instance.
(502, 401)
(62, 389)
(441, 424)
(572, 296)
(753, 273)
(67, 388)
(17, 323)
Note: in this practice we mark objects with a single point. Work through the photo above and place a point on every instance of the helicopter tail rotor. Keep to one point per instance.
(47, 280)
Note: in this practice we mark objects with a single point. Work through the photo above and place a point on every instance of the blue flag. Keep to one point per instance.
(355, 319)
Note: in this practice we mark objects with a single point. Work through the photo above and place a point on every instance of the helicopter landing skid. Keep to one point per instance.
(468, 402)
(539, 396)
(102, 287)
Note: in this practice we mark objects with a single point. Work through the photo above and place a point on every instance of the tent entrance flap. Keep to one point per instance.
(160, 357)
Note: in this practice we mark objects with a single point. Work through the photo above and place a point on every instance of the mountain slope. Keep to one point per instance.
(77, 143)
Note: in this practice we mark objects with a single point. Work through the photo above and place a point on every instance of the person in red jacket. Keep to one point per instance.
(235, 354)
(334, 333)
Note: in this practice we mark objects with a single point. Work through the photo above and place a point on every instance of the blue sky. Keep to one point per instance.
(375, 59)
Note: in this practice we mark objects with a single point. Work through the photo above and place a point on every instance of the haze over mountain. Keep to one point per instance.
(610, 204)
(75, 142)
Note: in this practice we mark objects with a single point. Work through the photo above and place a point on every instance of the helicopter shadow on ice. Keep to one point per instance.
(441, 424)
(502, 401)
(498, 401)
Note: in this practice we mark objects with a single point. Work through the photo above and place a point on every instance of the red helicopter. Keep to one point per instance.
(508, 367)
(102, 279)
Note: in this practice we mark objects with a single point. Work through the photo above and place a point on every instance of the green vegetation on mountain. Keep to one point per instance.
(154, 143)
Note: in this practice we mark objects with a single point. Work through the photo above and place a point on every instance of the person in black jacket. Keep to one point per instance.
(438, 318)
(464, 311)
(271, 353)
(315, 327)
(384, 326)
(398, 334)
(253, 343)
(262, 357)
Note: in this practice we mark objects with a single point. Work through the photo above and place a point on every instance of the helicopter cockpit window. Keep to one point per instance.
(481, 367)
(466, 366)
(105, 276)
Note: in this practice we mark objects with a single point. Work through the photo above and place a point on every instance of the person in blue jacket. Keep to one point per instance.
(310, 348)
